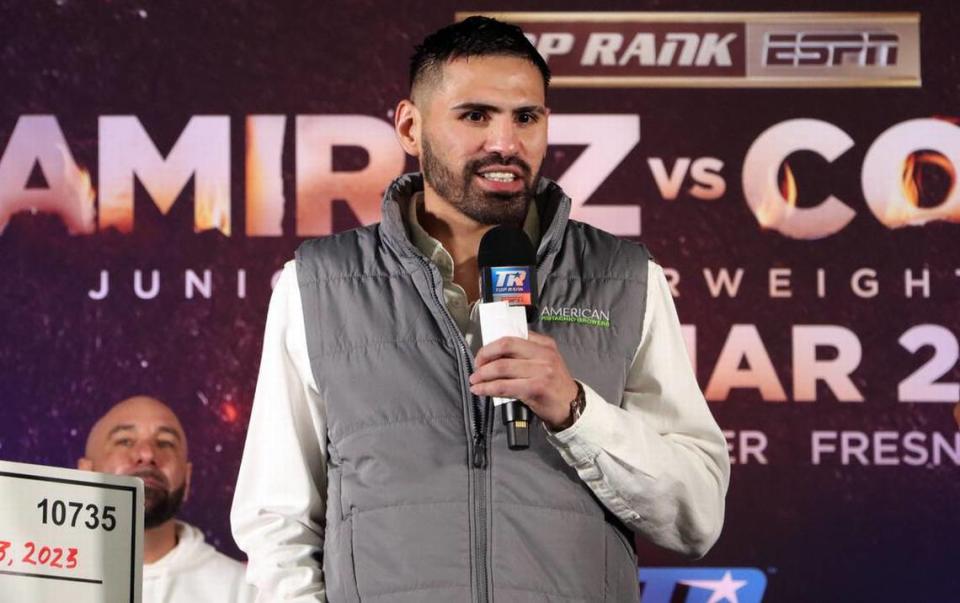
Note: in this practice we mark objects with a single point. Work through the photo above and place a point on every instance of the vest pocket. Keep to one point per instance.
(554, 553)
(406, 549)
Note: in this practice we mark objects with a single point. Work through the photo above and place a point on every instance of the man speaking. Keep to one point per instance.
(375, 468)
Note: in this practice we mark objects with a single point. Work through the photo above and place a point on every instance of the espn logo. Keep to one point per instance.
(830, 49)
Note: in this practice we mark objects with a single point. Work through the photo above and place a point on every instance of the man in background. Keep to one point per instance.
(142, 437)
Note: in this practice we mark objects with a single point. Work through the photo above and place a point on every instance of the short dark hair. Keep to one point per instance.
(472, 37)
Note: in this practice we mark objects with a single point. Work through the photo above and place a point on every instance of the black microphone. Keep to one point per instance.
(507, 262)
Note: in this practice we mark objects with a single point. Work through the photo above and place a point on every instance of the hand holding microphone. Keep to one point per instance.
(532, 369)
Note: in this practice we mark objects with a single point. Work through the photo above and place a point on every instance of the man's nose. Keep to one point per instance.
(503, 137)
(144, 453)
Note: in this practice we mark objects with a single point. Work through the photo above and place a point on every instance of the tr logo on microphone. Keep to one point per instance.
(511, 278)
(511, 284)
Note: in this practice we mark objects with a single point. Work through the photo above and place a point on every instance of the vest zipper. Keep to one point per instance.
(478, 415)
(479, 443)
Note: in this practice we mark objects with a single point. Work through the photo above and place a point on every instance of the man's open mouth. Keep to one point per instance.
(499, 176)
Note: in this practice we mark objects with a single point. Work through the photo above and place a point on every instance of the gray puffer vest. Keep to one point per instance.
(425, 502)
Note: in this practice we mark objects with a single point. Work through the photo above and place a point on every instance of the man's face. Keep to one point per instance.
(141, 437)
(484, 137)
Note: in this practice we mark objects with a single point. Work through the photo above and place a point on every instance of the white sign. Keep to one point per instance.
(68, 535)
(500, 319)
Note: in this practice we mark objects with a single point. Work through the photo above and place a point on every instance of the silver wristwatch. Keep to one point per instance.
(577, 405)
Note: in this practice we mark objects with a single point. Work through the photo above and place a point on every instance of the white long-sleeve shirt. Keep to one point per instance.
(658, 461)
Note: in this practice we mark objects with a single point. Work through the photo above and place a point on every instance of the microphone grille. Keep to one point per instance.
(506, 246)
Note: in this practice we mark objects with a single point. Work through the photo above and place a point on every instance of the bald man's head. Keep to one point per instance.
(130, 412)
(142, 437)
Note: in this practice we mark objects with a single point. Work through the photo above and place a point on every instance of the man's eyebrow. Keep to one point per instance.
(122, 427)
(538, 109)
(171, 431)
(474, 106)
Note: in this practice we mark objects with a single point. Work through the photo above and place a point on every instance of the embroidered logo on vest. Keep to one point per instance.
(581, 316)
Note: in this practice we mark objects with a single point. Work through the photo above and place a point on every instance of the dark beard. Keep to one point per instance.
(161, 505)
(484, 207)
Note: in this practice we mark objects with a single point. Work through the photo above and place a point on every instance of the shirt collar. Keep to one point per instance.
(433, 250)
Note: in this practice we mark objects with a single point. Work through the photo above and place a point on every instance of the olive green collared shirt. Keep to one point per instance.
(464, 313)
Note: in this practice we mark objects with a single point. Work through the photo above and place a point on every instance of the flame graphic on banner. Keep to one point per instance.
(118, 213)
(913, 174)
(771, 212)
(788, 185)
(78, 180)
(211, 212)
(919, 168)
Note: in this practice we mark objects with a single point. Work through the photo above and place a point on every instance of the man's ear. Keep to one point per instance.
(84, 464)
(407, 122)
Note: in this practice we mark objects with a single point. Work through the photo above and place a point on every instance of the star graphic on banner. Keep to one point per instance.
(724, 589)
